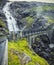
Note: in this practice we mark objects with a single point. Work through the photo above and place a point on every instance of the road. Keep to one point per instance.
(3, 51)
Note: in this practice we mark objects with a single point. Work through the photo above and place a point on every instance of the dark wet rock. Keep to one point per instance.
(29, 9)
(23, 10)
(52, 38)
(42, 48)
(3, 2)
(45, 54)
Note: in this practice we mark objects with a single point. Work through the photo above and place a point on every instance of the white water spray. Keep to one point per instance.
(12, 25)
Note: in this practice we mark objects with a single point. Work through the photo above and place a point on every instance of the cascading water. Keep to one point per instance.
(12, 25)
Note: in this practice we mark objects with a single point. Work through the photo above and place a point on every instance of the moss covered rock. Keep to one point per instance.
(21, 46)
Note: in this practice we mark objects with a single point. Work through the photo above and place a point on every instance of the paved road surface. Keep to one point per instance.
(3, 51)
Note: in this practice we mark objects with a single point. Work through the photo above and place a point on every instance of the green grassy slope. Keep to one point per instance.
(21, 46)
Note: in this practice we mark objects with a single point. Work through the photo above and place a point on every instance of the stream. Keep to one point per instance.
(10, 19)
(12, 26)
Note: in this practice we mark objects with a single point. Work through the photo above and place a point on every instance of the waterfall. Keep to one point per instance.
(11, 22)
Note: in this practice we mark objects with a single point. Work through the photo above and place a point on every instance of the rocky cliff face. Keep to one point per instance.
(36, 16)
(27, 13)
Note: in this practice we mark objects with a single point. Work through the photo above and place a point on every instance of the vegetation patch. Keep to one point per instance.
(19, 48)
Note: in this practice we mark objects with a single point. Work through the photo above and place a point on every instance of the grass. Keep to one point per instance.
(42, 8)
(4, 29)
(29, 20)
(2, 23)
(22, 47)
(49, 19)
(47, 8)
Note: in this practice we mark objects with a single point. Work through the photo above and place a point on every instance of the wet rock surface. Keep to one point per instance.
(31, 10)
(37, 13)
(42, 48)
(40, 14)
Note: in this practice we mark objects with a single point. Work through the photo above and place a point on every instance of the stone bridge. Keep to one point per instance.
(32, 35)
(32, 38)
